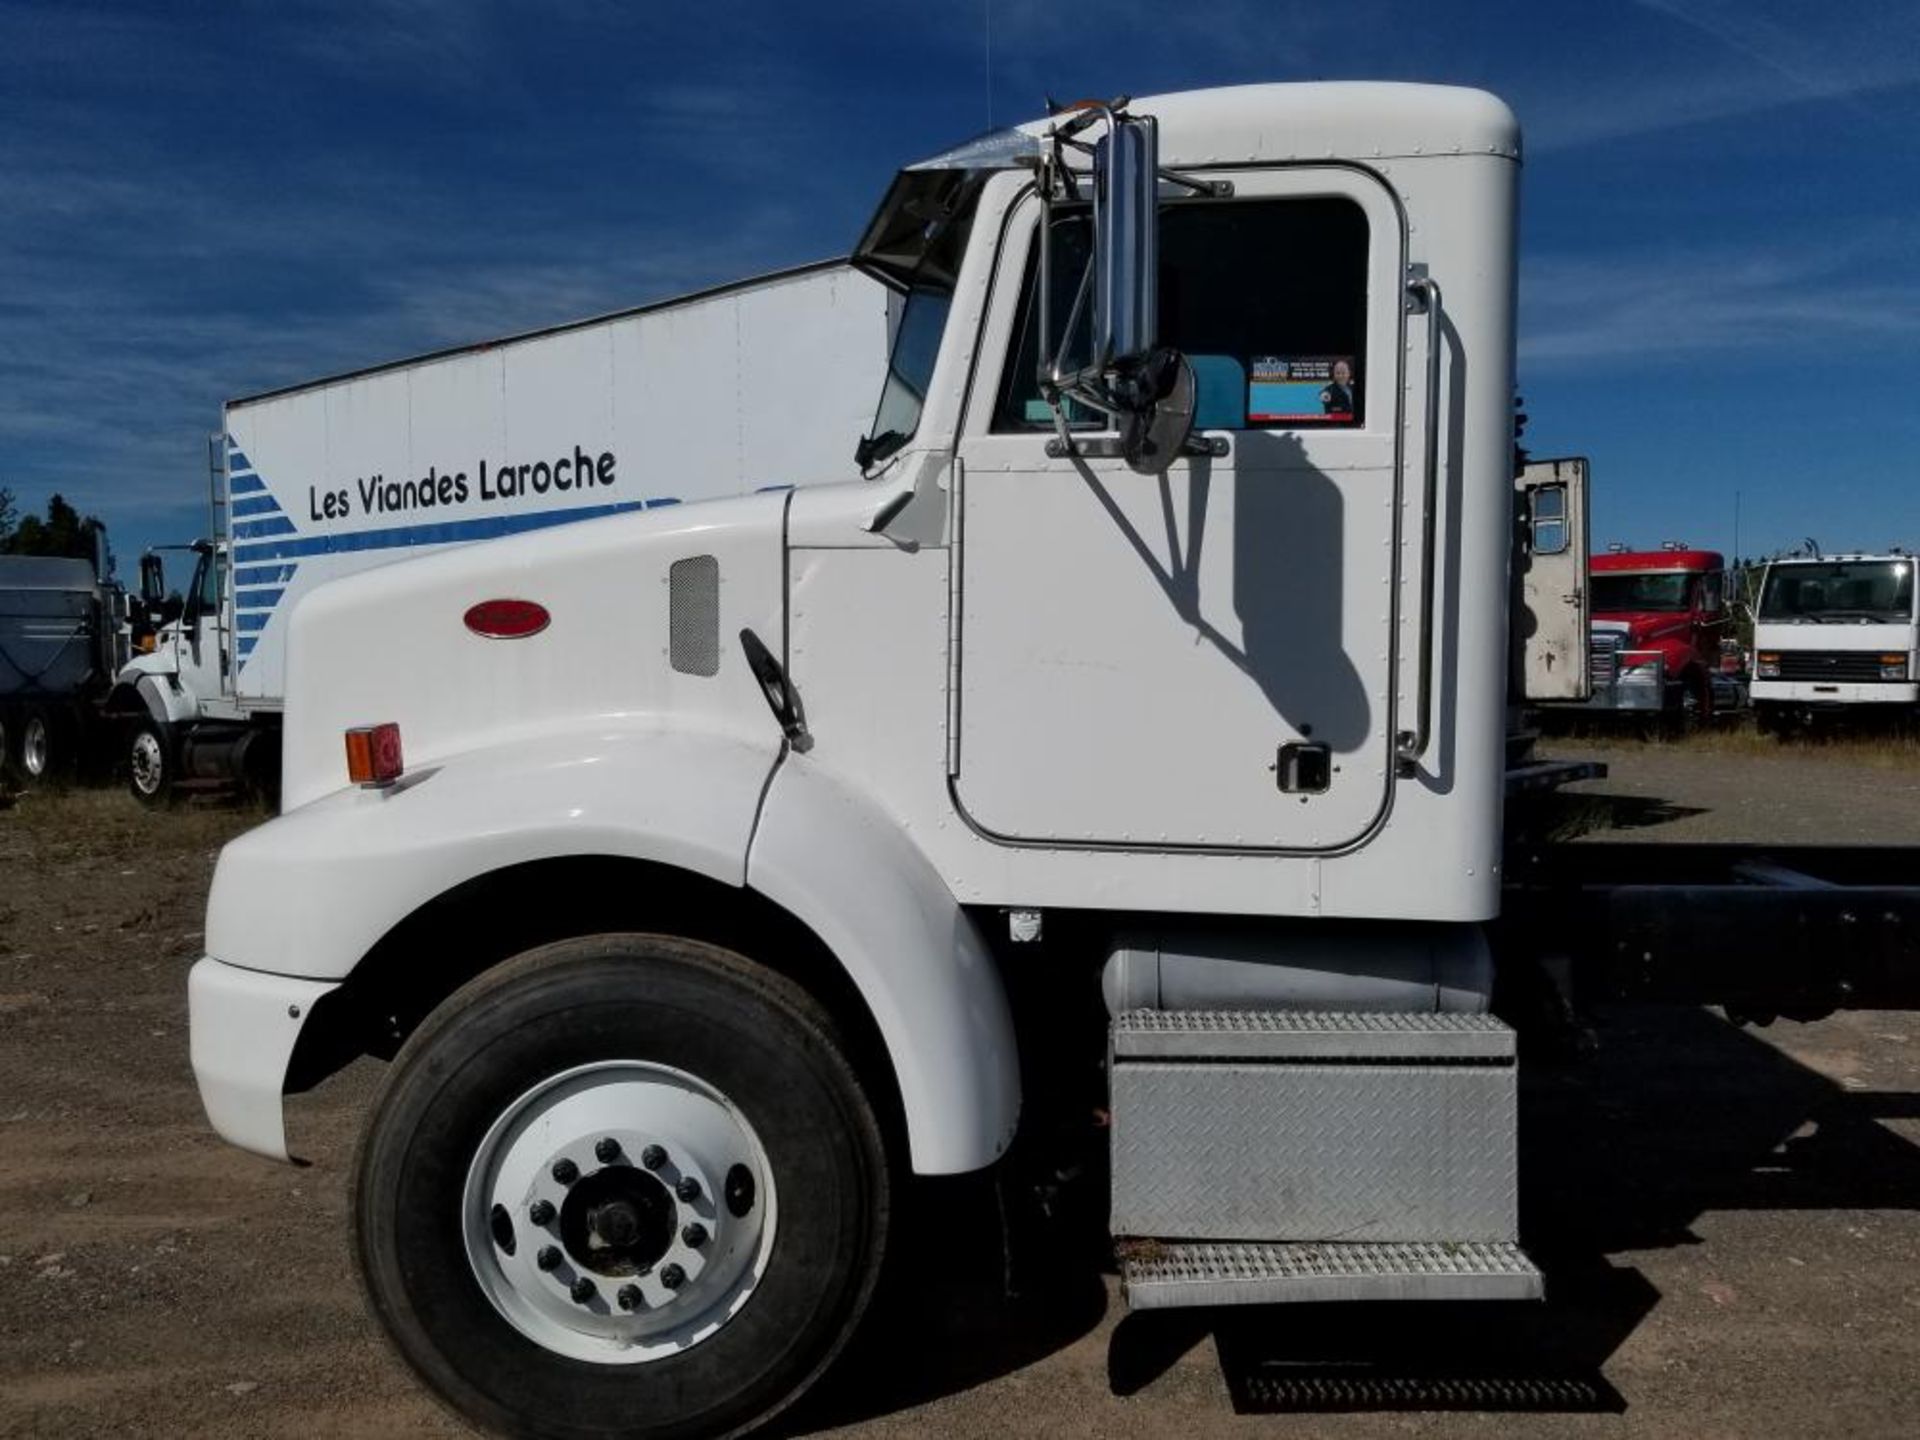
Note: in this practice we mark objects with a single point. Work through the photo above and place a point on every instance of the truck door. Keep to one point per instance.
(1202, 657)
(1551, 609)
(203, 632)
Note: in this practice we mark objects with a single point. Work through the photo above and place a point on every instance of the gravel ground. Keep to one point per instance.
(1729, 1219)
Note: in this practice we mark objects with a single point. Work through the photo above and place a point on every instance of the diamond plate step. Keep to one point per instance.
(1162, 1275)
(1309, 1035)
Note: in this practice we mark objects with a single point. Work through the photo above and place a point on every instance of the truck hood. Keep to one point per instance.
(645, 613)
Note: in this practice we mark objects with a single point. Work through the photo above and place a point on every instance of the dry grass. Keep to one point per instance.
(1888, 749)
(57, 826)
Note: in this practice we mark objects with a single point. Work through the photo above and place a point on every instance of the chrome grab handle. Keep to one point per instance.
(1424, 292)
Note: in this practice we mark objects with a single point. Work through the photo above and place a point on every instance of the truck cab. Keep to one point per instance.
(176, 698)
(1659, 631)
(1131, 734)
(1835, 638)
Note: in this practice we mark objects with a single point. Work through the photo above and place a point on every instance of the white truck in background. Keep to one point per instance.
(1128, 743)
(689, 399)
(1835, 637)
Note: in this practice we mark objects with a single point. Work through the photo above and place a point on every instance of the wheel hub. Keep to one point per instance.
(619, 1259)
(145, 762)
(617, 1221)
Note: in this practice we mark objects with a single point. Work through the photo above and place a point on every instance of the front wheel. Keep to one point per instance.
(625, 1185)
(150, 763)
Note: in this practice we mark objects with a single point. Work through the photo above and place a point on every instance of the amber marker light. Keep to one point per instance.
(373, 755)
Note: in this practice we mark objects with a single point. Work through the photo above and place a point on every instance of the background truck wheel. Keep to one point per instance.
(151, 763)
(624, 1185)
(40, 751)
(1693, 706)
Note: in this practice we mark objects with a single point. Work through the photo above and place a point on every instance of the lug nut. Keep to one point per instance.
(688, 1189)
(548, 1258)
(672, 1276)
(541, 1212)
(629, 1297)
(693, 1235)
(654, 1156)
(565, 1171)
(582, 1290)
(606, 1150)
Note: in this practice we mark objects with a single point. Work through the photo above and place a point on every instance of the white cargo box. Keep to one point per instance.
(761, 385)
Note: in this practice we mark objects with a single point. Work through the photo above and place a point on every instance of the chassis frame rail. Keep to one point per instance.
(1763, 930)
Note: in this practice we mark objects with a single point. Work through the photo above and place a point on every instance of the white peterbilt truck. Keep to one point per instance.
(1136, 710)
(621, 412)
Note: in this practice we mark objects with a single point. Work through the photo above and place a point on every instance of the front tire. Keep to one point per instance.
(151, 763)
(523, 1193)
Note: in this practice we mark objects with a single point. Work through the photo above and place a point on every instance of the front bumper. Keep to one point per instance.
(244, 1025)
(1822, 695)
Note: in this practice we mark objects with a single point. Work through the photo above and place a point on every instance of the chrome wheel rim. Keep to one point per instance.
(146, 762)
(621, 1212)
(35, 747)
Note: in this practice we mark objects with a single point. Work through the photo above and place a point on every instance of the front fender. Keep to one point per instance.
(146, 687)
(311, 892)
(831, 858)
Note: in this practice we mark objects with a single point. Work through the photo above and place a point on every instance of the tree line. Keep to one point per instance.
(62, 531)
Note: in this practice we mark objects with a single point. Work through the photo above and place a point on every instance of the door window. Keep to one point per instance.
(1266, 298)
(1550, 520)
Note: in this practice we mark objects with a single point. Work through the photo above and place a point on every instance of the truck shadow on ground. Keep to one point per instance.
(1677, 1114)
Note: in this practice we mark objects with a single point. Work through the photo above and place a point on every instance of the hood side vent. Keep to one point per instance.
(693, 615)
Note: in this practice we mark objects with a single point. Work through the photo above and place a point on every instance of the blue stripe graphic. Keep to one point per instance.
(235, 459)
(250, 529)
(252, 620)
(256, 505)
(246, 644)
(256, 599)
(446, 532)
(265, 575)
(246, 484)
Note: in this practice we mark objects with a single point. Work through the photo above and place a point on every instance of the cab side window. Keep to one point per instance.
(1266, 298)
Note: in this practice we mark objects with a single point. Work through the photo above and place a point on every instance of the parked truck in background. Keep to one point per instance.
(67, 627)
(1662, 628)
(624, 412)
(1127, 743)
(1835, 638)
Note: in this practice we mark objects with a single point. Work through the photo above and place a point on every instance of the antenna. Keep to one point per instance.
(986, 12)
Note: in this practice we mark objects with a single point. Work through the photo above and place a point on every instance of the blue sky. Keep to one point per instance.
(1721, 275)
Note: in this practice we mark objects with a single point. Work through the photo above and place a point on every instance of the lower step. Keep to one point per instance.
(1164, 1275)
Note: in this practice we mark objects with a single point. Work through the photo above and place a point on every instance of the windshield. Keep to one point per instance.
(1617, 592)
(1861, 592)
(915, 245)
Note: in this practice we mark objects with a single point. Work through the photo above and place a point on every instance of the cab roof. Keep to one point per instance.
(1325, 120)
(1645, 561)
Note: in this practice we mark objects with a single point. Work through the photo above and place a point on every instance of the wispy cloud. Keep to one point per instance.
(1669, 309)
(1709, 60)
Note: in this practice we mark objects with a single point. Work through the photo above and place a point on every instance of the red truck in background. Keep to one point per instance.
(1662, 643)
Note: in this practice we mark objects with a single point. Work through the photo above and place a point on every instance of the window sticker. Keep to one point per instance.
(1302, 390)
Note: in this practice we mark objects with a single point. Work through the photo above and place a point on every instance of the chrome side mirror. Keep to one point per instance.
(1106, 355)
(1126, 199)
